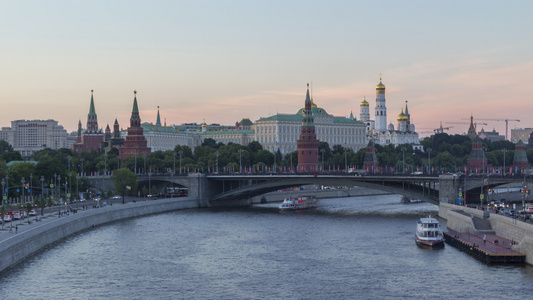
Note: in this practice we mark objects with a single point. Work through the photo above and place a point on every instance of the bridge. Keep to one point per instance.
(238, 189)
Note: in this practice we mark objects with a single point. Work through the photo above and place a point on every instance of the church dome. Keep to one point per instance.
(380, 85)
(364, 103)
(402, 117)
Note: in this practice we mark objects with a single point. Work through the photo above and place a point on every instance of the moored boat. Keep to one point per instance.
(429, 233)
(301, 202)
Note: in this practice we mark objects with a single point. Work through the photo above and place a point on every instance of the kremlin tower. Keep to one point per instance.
(90, 139)
(307, 144)
(135, 142)
(381, 108)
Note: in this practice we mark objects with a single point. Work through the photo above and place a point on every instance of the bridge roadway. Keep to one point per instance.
(237, 189)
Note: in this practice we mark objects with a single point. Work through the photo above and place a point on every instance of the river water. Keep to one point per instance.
(348, 248)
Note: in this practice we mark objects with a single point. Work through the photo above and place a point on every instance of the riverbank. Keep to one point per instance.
(30, 238)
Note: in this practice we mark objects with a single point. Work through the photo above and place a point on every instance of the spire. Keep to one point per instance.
(135, 120)
(79, 128)
(158, 121)
(92, 111)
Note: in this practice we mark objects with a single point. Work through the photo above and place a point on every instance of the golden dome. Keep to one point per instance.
(364, 103)
(313, 103)
(402, 117)
(380, 85)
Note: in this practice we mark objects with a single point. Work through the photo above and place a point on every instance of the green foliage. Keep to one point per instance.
(122, 178)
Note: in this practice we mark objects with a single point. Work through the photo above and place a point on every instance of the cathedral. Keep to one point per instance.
(377, 129)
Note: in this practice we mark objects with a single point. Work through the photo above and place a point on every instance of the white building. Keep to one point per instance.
(281, 131)
(387, 135)
(30, 136)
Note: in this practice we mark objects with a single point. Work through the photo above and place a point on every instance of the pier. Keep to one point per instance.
(496, 250)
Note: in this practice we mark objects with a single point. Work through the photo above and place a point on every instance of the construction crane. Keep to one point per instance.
(503, 120)
(475, 123)
(441, 129)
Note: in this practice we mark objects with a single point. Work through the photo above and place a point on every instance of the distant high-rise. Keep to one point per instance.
(30, 136)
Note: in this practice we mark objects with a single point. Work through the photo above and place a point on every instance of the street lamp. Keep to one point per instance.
(149, 184)
(174, 167)
(42, 187)
(216, 153)
(59, 196)
(105, 163)
(403, 153)
(180, 153)
(7, 184)
(30, 188)
(3, 191)
(429, 160)
(82, 160)
(144, 157)
(345, 160)
(22, 181)
(240, 160)
(504, 150)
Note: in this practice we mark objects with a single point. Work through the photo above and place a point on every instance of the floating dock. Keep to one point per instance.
(496, 250)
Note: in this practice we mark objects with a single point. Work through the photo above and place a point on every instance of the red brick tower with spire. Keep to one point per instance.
(135, 142)
(308, 144)
(92, 136)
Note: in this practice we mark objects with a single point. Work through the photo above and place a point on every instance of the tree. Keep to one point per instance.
(124, 180)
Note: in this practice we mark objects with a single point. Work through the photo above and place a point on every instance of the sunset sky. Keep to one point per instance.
(228, 60)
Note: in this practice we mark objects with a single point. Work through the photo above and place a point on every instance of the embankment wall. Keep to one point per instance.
(19, 246)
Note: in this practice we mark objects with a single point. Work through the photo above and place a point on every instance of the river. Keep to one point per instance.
(347, 248)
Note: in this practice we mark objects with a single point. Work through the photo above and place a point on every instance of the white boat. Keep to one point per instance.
(301, 202)
(429, 233)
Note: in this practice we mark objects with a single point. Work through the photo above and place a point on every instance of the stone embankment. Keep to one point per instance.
(30, 238)
(459, 219)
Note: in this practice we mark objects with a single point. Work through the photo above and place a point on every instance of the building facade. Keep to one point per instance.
(520, 134)
(30, 136)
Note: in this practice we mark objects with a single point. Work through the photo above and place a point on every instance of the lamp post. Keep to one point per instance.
(30, 188)
(42, 188)
(135, 170)
(403, 154)
(59, 195)
(180, 153)
(23, 187)
(292, 170)
(429, 160)
(216, 153)
(77, 192)
(504, 150)
(174, 167)
(82, 160)
(240, 161)
(7, 184)
(144, 157)
(3, 191)
(346, 160)
(481, 195)
(149, 183)
(54, 187)
(105, 163)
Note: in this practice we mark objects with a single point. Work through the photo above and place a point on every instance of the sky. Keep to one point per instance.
(226, 60)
